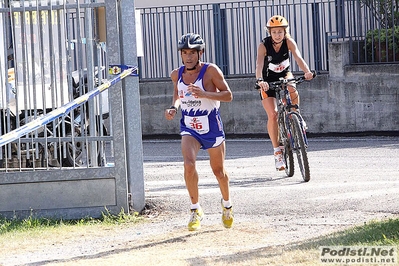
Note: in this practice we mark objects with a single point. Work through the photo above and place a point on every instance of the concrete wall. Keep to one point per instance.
(349, 99)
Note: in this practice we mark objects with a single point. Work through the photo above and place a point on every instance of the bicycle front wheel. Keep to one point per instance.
(289, 160)
(300, 147)
(287, 151)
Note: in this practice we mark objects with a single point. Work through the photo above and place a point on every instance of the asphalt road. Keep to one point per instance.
(353, 180)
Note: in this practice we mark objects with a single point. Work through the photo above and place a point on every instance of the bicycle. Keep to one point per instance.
(292, 127)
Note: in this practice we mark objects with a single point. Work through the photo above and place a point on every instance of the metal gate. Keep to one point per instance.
(63, 148)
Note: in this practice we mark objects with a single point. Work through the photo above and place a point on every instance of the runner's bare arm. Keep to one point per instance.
(260, 60)
(171, 112)
(292, 46)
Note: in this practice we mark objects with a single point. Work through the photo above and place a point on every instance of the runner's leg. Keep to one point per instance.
(216, 157)
(269, 104)
(190, 147)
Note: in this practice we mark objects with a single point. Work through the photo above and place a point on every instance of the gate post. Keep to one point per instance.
(121, 49)
(131, 100)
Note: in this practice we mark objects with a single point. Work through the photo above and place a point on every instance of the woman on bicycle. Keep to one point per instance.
(272, 63)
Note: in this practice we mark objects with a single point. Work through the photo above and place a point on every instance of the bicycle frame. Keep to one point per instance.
(292, 128)
(287, 109)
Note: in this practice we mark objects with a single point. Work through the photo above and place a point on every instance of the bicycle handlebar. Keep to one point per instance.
(275, 84)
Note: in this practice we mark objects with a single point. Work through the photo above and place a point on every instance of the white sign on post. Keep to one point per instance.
(139, 35)
(40, 56)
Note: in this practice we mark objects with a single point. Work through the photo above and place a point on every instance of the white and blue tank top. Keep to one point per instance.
(200, 116)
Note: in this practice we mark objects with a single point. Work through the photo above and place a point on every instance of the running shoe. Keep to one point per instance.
(195, 219)
(227, 216)
(279, 161)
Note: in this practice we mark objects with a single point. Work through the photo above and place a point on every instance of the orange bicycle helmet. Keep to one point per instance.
(277, 21)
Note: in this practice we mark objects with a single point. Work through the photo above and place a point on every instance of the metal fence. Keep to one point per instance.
(52, 55)
(372, 29)
(232, 32)
(59, 129)
(54, 51)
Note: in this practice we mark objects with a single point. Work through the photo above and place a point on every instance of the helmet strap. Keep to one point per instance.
(275, 43)
(194, 67)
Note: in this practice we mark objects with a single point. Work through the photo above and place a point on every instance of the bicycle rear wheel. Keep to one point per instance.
(300, 147)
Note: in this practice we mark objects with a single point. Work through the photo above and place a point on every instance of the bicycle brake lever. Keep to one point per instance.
(303, 77)
(314, 73)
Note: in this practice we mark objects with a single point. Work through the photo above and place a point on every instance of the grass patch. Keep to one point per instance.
(373, 233)
(31, 223)
(34, 234)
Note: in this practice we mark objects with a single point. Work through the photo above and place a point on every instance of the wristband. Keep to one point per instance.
(259, 80)
(173, 107)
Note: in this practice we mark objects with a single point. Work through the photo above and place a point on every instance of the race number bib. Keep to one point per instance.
(198, 123)
(280, 67)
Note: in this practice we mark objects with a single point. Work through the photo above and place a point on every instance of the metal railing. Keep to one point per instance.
(59, 129)
(372, 29)
(232, 32)
(54, 56)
